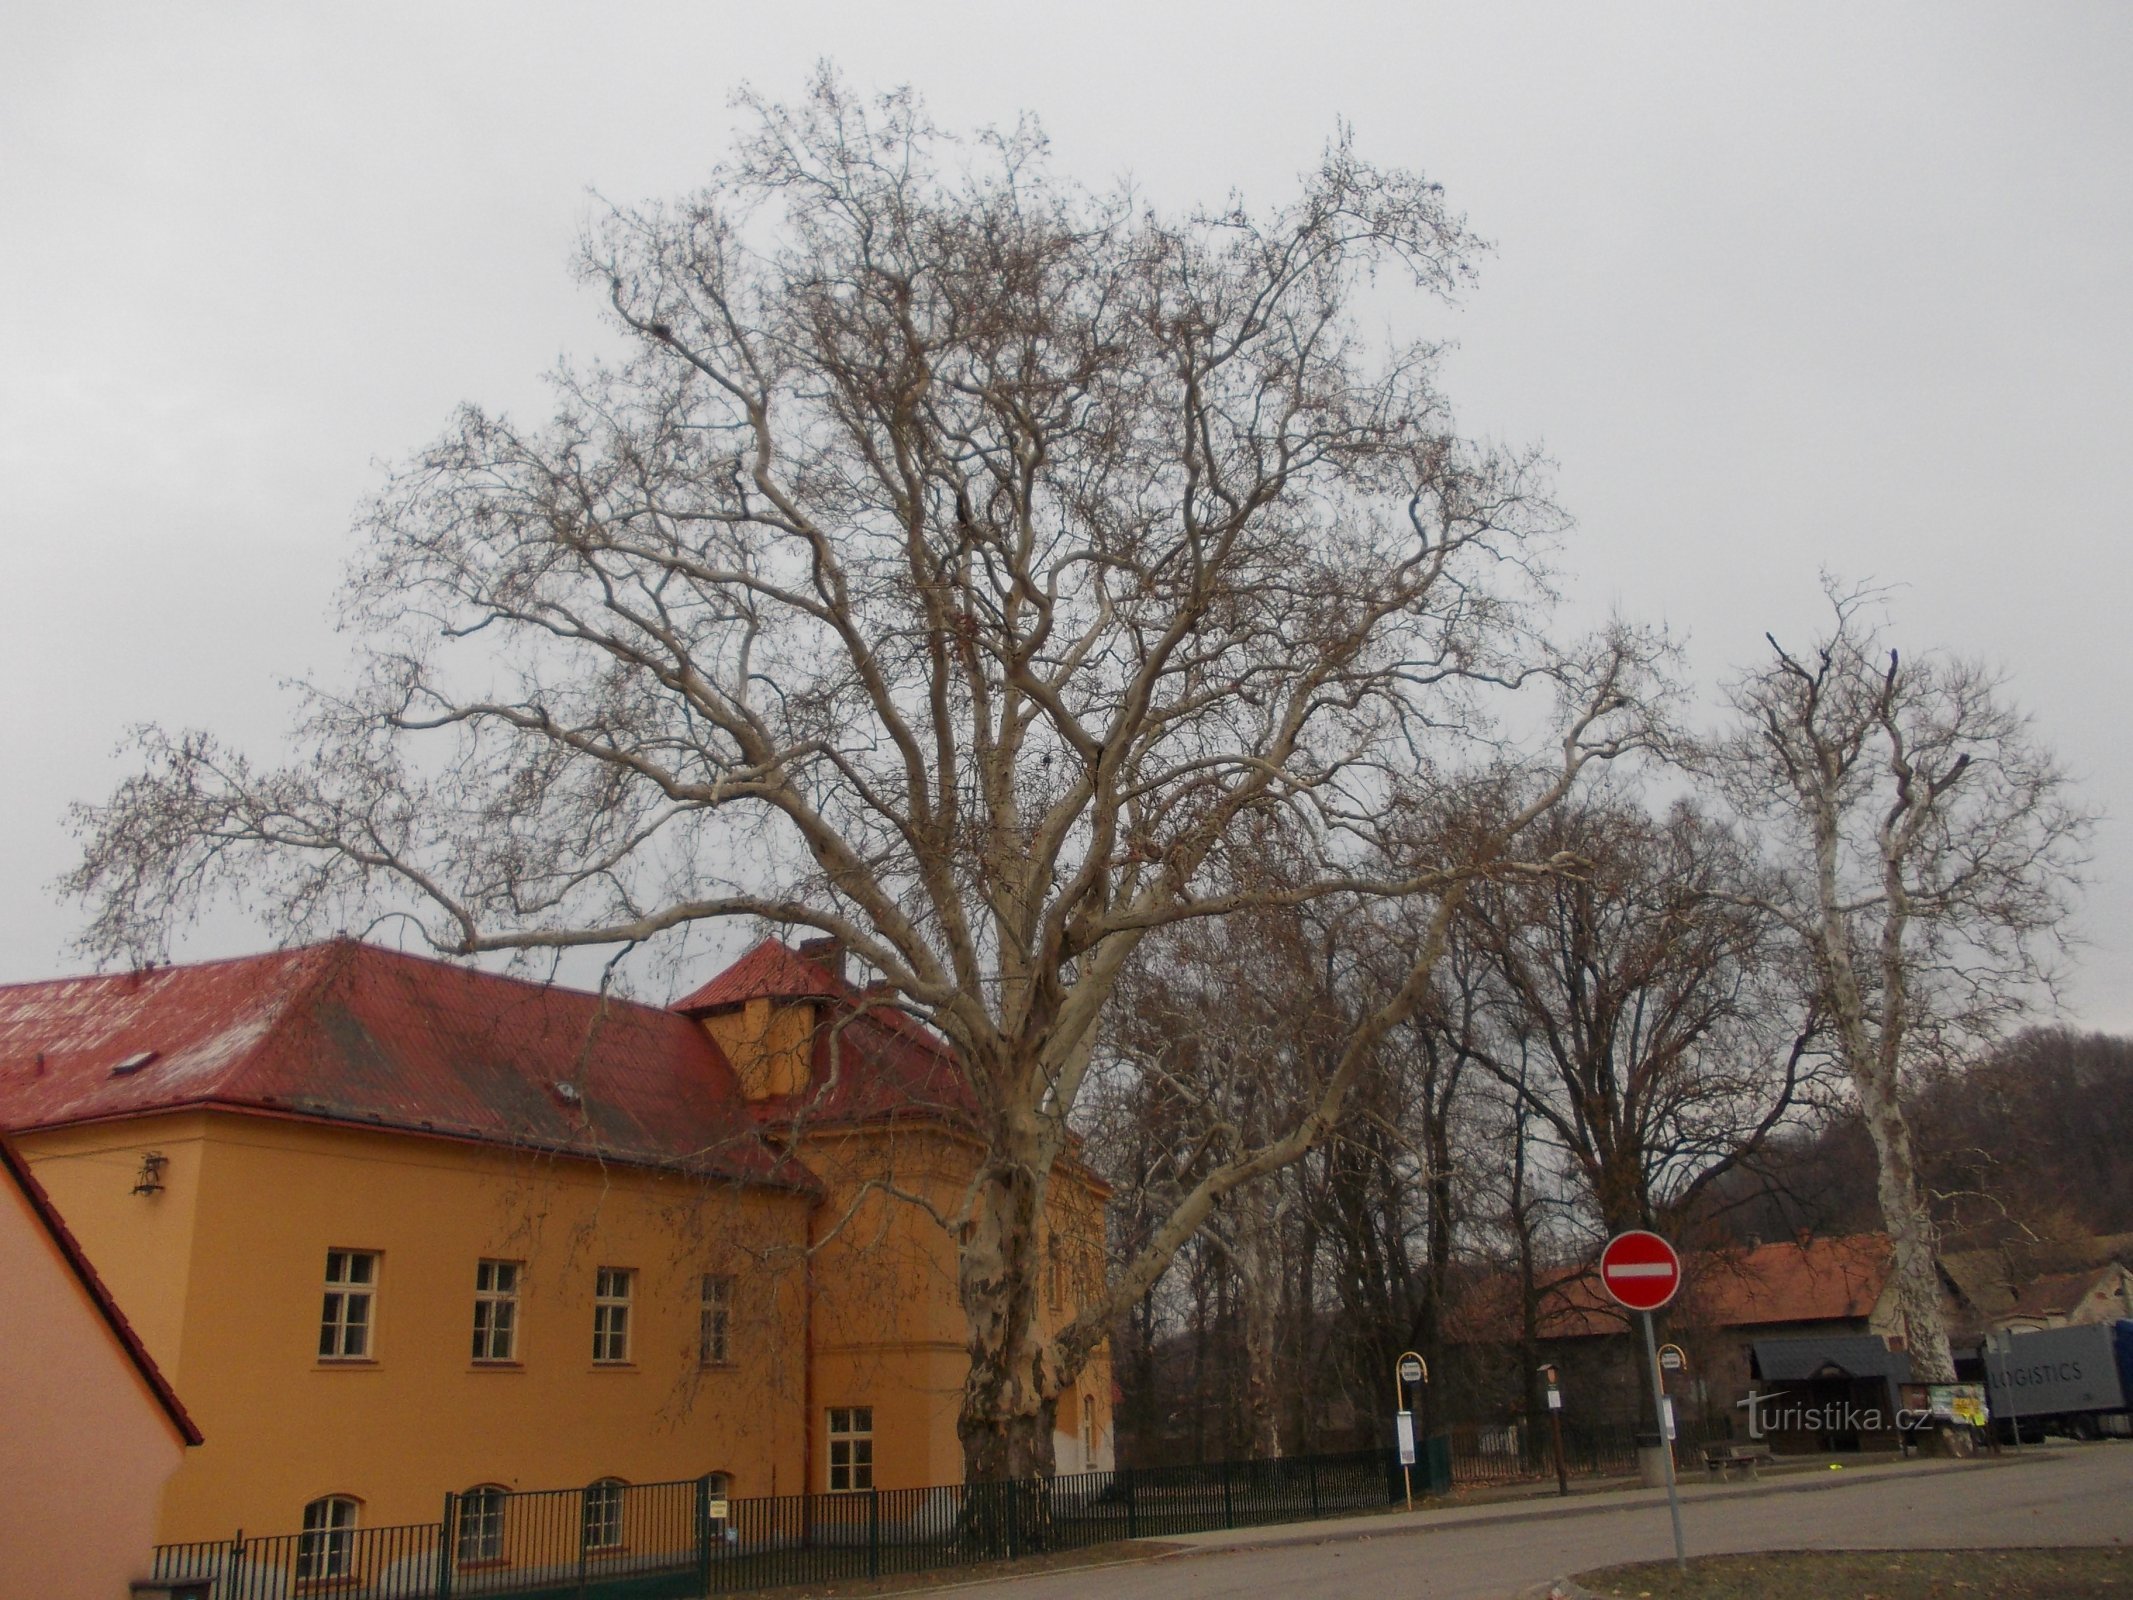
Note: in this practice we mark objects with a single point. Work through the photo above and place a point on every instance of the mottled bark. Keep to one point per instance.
(1010, 1398)
(1257, 1252)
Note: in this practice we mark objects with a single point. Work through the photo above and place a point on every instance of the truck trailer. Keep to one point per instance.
(2075, 1380)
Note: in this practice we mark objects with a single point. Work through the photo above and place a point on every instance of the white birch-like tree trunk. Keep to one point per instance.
(1925, 852)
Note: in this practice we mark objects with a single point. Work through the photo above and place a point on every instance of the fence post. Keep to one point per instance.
(236, 1565)
(1311, 1465)
(1133, 1510)
(873, 1533)
(1229, 1515)
(446, 1545)
(584, 1535)
(703, 1531)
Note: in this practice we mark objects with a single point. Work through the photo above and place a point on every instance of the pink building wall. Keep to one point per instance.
(86, 1441)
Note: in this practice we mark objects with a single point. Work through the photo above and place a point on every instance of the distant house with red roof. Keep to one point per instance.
(1731, 1298)
(398, 1227)
(1806, 1309)
(2100, 1294)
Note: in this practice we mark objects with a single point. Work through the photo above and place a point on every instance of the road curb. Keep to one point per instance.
(1557, 1589)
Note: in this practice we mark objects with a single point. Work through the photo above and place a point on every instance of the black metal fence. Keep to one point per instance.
(658, 1541)
(1518, 1453)
(376, 1563)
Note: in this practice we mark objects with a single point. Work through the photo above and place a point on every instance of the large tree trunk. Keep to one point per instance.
(1008, 1406)
(1913, 1239)
(1872, 1048)
(1259, 1281)
(1303, 1318)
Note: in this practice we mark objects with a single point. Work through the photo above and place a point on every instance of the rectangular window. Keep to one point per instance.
(496, 1310)
(345, 1322)
(851, 1448)
(611, 1314)
(714, 1324)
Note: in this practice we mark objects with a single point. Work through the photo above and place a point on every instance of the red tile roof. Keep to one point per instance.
(872, 1060)
(348, 1032)
(70, 1250)
(1816, 1280)
(771, 971)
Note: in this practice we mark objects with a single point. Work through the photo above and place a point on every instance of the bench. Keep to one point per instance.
(1720, 1460)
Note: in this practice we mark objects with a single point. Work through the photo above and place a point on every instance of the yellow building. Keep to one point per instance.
(396, 1228)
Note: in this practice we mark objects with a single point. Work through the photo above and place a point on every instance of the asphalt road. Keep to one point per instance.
(2061, 1496)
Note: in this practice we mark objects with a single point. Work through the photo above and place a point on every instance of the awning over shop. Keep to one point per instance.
(1853, 1355)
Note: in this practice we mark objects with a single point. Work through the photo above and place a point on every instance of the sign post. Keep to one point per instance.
(1642, 1272)
(1555, 1419)
(1410, 1369)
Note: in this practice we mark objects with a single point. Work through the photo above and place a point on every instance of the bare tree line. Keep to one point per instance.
(1868, 880)
(1067, 606)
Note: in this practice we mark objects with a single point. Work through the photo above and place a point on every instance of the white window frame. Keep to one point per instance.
(613, 1290)
(496, 1310)
(851, 1449)
(714, 1322)
(348, 1315)
(718, 1489)
(600, 1520)
(478, 1541)
(326, 1548)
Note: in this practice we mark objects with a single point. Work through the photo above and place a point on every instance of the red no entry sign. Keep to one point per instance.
(1640, 1270)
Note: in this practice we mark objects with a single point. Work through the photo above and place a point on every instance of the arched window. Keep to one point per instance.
(603, 1514)
(481, 1526)
(718, 1490)
(327, 1547)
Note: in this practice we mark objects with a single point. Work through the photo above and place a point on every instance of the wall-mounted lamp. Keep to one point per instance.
(150, 1178)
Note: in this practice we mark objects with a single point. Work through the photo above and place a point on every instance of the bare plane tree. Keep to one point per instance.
(1930, 851)
(956, 562)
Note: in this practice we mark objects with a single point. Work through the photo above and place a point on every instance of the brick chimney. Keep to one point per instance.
(827, 951)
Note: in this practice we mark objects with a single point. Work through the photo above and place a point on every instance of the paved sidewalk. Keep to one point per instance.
(1553, 1508)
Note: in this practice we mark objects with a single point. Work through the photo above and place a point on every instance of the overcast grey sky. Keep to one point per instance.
(1780, 288)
